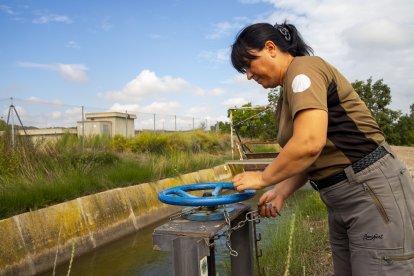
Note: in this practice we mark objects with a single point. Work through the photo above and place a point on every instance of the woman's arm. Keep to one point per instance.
(309, 137)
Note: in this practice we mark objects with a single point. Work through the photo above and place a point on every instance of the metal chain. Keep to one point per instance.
(183, 213)
(229, 230)
(252, 216)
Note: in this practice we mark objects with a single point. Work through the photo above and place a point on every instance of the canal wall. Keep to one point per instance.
(36, 241)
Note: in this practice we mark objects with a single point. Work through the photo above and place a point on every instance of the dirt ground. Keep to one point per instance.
(406, 154)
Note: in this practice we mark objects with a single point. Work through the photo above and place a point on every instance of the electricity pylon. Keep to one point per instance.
(12, 111)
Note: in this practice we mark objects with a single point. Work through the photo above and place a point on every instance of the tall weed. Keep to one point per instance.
(35, 175)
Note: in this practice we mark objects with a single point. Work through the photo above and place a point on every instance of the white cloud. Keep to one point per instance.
(48, 116)
(106, 24)
(147, 83)
(234, 102)
(72, 72)
(169, 107)
(37, 100)
(125, 107)
(216, 92)
(25, 64)
(197, 90)
(7, 10)
(164, 107)
(196, 110)
(48, 18)
(155, 36)
(219, 56)
(56, 115)
(73, 44)
(360, 38)
(226, 28)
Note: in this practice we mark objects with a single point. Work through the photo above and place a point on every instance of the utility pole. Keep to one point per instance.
(12, 109)
(231, 134)
(83, 128)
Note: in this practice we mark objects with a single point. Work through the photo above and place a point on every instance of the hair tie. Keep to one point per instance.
(284, 31)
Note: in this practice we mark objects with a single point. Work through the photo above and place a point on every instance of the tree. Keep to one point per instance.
(257, 122)
(270, 127)
(224, 127)
(404, 129)
(377, 97)
(246, 121)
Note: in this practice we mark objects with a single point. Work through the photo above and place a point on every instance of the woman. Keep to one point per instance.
(330, 138)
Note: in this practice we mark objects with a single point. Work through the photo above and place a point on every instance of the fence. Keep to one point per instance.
(35, 113)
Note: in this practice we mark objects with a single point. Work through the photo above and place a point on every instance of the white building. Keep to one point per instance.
(102, 123)
(107, 123)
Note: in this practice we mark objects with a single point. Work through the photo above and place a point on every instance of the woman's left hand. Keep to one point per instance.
(248, 181)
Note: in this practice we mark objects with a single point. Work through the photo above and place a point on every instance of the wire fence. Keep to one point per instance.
(35, 113)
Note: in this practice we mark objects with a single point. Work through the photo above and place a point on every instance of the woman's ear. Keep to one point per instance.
(271, 47)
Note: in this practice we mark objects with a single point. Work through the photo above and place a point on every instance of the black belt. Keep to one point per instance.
(358, 166)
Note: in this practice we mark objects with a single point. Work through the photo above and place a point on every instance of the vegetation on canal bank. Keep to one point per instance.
(297, 242)
(34, 176)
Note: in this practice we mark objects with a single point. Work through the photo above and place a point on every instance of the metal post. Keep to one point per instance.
(154, 121)
(175, 122)
(126, 123)
(83, 127)
(193, 123)
(12, 132)
(12, 121)
(242, 242)
(192, 244)
(231, 134)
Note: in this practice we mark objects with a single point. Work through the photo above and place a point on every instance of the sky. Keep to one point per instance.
(172, 57)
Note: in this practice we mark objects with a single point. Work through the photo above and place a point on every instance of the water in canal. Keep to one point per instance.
(133, 255)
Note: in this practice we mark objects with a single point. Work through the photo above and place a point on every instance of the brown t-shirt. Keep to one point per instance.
(310, 82)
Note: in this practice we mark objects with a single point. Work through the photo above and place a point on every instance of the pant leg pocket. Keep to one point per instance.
(375, 221)
(377, 202)
(397, 264)
(407, 186)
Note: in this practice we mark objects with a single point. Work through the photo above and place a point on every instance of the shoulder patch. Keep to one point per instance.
(300, 83)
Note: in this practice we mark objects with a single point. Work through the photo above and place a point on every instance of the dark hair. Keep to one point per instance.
(286, 37)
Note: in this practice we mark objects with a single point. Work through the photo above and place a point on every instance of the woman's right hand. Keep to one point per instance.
(270, 203)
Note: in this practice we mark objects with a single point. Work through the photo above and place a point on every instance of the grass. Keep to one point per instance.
(303, 251)
(264, 147)
(38, 175)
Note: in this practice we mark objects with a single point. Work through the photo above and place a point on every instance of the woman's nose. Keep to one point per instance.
(249, 74)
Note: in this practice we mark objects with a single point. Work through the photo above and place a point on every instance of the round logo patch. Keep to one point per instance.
(300, 83)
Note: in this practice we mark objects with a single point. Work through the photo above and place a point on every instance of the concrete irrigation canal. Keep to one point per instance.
(134, 255)
(40, 240)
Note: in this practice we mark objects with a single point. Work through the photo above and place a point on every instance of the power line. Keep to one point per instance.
(38, 101)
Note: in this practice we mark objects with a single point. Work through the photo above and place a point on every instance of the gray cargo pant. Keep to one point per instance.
(371, 220)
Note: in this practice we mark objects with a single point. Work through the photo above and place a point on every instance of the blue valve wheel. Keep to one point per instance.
(180, 195)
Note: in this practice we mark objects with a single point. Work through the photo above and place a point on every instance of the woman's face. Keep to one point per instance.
(265, 69)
